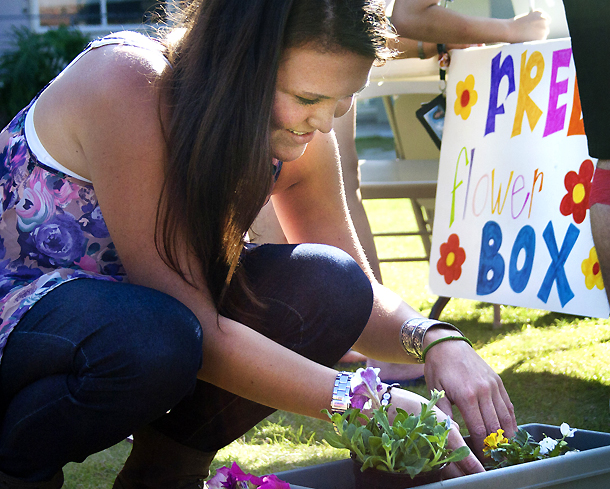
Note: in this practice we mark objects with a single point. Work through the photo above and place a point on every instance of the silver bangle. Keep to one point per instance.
(341, 393)
(413, 331)
(420, 50)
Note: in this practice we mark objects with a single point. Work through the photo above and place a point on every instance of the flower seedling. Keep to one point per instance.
(411, 444)
(523, 448)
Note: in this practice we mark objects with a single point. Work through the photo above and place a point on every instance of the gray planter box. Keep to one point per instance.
(589, 469)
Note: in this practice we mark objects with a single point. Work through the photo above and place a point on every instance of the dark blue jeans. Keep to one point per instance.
(93, 361)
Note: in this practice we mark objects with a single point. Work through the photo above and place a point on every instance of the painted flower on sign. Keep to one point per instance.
(452, 258)
(592, 272)
(578, 185)
(466, 97)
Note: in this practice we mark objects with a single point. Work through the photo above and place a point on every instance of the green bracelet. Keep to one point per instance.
(440, 340)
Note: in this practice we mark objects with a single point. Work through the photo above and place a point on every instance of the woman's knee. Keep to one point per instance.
(123, 334)
(336, 282)
(319, 299)
(161, 338)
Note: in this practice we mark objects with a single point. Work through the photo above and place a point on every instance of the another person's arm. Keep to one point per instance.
(428, 21)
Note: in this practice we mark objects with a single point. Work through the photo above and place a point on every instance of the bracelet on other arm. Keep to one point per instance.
(420, 50)
(386, 398)
(413, 331)
(440, 340)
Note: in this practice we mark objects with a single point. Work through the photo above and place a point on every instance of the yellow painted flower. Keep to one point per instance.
(466, 97)
(493, 440)
(592, 272)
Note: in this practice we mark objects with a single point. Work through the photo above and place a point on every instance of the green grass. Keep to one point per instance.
(554, 366)
(376, 143)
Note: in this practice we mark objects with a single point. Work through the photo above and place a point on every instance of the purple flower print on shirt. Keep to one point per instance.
(57, 242)
(63, 190)
(36, 205)
(94, 224)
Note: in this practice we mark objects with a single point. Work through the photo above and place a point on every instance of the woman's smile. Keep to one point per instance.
(313, 87)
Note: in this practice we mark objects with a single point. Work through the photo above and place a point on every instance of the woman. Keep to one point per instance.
(141, 169)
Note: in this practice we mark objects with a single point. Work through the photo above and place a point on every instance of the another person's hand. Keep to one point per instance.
(470, 384)
(411, 403)
(533, 26)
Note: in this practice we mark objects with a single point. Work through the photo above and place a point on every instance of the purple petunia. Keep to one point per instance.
(366, 386)
(235, 478)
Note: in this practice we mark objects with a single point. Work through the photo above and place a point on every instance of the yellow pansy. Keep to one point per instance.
(493, 440)
(466, 97)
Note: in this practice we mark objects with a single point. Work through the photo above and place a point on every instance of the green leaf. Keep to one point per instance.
(334, 440)
(457, 455)
(375, 442)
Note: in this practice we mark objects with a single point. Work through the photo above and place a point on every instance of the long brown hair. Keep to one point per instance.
(221, 93)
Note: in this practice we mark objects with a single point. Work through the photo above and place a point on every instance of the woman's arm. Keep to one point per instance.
(427, 21)
(310, 204)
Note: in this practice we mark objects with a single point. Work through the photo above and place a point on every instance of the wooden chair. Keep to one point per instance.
(414, 172)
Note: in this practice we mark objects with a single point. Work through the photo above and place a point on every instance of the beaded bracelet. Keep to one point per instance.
(386, 398)
(440, 340)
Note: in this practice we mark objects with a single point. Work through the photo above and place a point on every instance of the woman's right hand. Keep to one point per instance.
(411, 403)
(533, 26)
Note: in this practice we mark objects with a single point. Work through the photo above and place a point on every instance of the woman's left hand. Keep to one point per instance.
(470, 384)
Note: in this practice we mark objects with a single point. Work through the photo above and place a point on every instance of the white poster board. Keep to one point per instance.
(511, 223)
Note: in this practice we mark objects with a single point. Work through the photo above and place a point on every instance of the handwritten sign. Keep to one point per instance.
(511, 222)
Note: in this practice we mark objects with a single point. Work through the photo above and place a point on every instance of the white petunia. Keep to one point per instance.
(566, 431)
(547, 445)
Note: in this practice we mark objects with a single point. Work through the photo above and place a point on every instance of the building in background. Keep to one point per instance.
(93, 17)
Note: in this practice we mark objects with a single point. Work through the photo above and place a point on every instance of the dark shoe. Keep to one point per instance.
(158, 462)
(8, 482)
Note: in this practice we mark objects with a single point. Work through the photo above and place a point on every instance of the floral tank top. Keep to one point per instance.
(51, 226)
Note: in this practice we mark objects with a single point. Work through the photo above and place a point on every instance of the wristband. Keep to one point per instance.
(341, 393)
(600, 187)
(420, 50)
(413, 331)
(440, 340)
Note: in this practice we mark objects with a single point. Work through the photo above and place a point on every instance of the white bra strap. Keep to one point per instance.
(39, 151)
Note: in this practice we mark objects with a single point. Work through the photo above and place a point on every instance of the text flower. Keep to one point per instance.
(466, 97)
(578, 185)
(592, 272)
(452, 258)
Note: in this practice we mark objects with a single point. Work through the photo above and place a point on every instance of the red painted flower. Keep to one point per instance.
(452, 257)
(578, 185)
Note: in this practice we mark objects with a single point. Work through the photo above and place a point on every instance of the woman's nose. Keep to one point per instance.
(343, 106)
(322, 119)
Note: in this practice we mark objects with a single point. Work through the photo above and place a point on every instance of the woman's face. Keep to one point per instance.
(312, 88)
